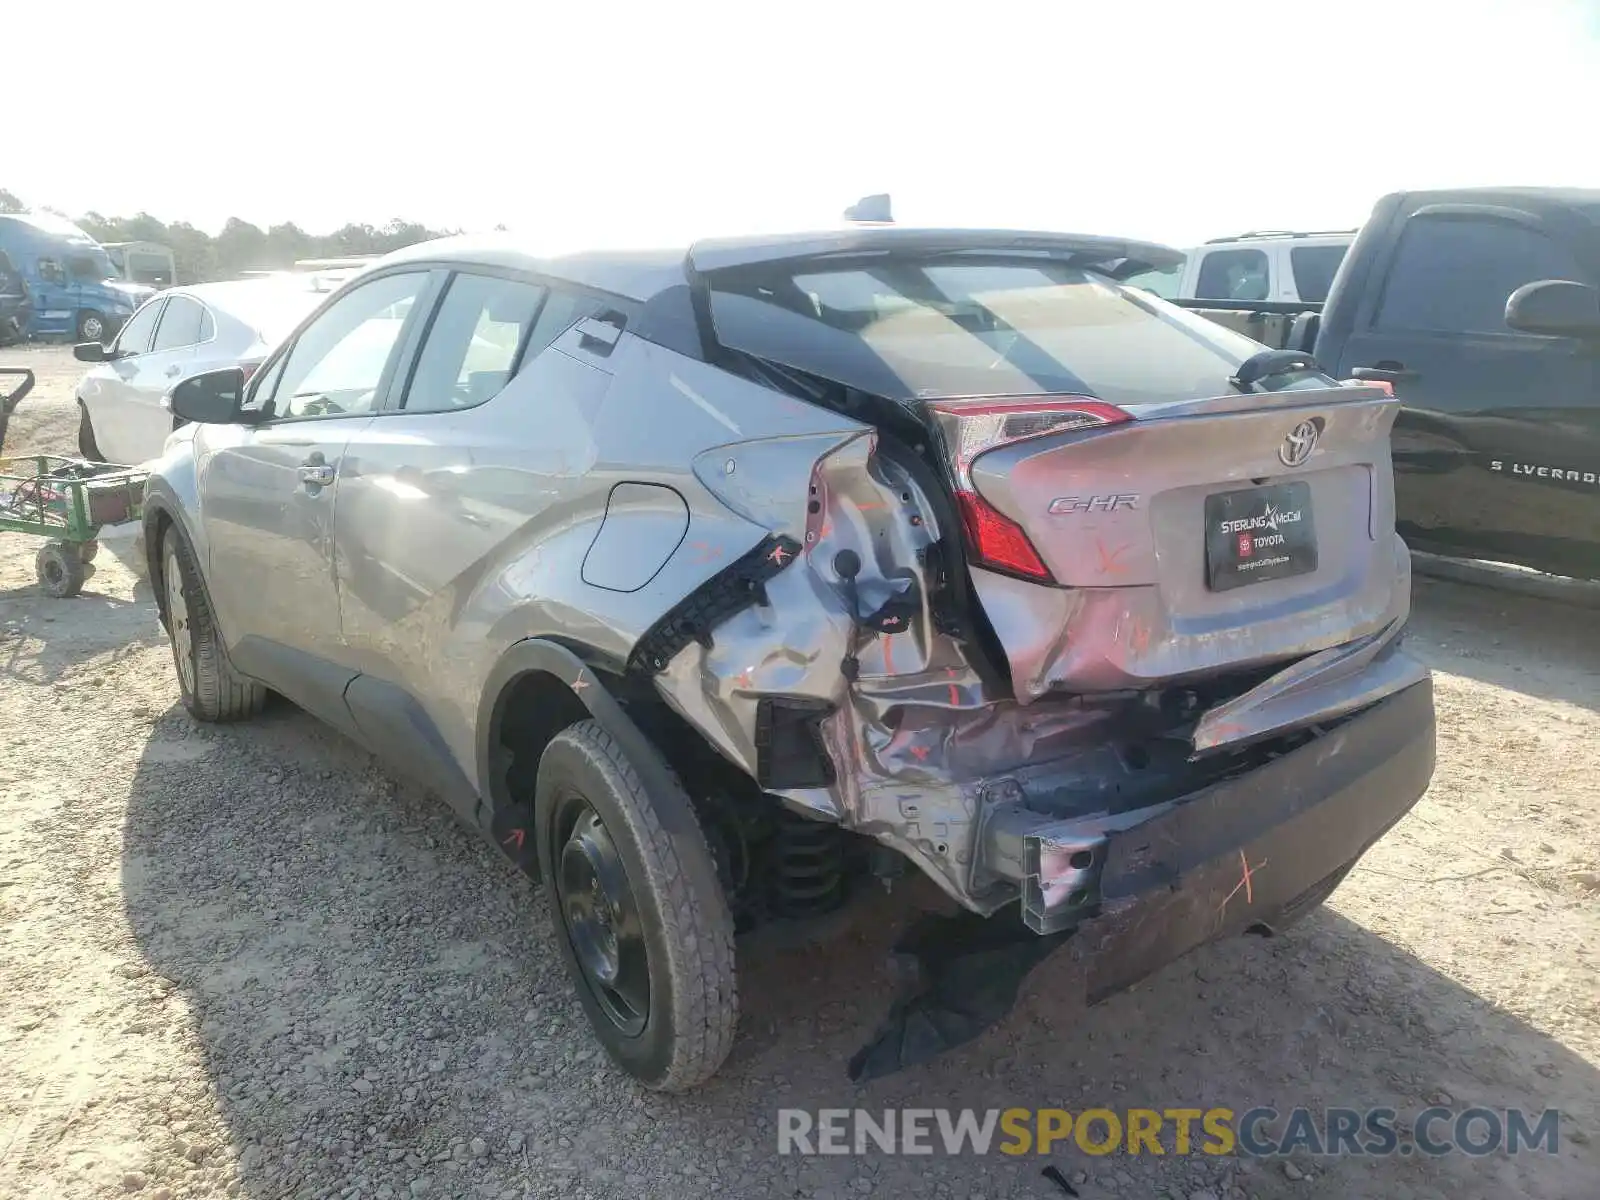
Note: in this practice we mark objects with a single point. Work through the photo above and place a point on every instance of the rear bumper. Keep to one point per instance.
(1148, 886)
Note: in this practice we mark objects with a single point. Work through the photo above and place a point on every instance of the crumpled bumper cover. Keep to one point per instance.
(1243, 852)
(1250, 851)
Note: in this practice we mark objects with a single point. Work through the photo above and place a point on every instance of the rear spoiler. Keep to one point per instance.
(1118, 257)
(1276, 308)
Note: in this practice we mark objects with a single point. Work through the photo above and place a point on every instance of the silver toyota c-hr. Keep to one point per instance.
(720, 586)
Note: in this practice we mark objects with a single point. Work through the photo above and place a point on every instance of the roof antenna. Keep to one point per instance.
(870, 210)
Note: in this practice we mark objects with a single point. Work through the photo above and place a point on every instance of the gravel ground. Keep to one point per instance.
(243, 961)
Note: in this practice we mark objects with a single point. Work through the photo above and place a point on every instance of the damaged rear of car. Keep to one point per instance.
(1099, 617)
(723, 588)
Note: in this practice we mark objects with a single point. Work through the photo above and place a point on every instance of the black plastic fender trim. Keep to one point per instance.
(498, 815)
(730, 591)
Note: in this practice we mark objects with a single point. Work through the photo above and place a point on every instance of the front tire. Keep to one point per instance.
(638, 911)
(211, 689)
(88, 448)
(91, 327)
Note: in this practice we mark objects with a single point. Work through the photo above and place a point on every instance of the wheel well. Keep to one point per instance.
(533, 708)
(155, 535)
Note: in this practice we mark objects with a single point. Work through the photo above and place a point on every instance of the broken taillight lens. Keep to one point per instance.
(974, 427)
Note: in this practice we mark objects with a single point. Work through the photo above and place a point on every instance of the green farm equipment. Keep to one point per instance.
(63, 500)
(66, 501)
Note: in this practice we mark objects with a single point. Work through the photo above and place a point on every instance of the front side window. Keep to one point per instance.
(180, 324)
(1455, 274)
(50, 271)
(1233, 275)
(140, 329)
(339, 361)
(85, 268)
(473, 343)
(1314, 268)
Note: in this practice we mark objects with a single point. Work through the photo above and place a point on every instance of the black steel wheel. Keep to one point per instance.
(638, 911)
(601, 915)
(61, 570)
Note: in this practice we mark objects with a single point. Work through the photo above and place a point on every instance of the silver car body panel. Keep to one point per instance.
(603, 486)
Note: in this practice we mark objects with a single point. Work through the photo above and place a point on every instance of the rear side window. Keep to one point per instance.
(1233, 275)
(473, 342)
(1455, 274)
(1314, 268)
(906, 328)
(180, 324)
(561, 312)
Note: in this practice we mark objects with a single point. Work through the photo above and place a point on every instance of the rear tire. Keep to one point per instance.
(211, 689)
(655, 901)
(88, 448)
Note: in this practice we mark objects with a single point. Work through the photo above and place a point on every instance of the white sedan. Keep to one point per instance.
(178, 333)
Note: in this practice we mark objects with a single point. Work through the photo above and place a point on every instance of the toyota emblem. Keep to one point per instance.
(1297, 447)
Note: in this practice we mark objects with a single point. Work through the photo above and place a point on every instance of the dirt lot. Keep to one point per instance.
(243, 961)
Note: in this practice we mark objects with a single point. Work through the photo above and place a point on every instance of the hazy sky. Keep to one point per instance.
(645, 123)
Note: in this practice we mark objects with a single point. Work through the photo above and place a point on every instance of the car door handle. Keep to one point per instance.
(316, 474)
(1385, 373)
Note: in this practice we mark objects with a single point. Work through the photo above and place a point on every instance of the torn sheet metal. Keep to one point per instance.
(1321, 687)
(926, 757)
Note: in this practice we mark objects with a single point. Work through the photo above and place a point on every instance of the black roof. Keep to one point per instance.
(1583, 200)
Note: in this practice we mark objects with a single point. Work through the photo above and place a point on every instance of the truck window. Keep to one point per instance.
(1314, 268)
(85, 268)
(50, 271)
(1454, 274)
(1233, 275)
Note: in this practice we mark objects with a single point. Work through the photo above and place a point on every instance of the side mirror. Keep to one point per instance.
(91, 352)
(1558, 307)
(209, 399)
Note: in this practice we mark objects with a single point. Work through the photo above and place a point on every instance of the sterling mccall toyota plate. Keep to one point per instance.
(1259, 533)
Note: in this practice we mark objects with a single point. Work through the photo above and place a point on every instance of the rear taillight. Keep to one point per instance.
(973, 427)
(995, 540)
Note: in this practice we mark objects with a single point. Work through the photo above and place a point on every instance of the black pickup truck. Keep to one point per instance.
(1481, 309)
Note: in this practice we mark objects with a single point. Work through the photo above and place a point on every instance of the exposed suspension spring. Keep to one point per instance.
(808, 867)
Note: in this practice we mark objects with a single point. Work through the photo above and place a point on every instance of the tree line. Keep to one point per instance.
(241, 246)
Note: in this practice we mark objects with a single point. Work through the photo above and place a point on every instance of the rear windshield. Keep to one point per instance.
(272, 309)
(910, 328)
